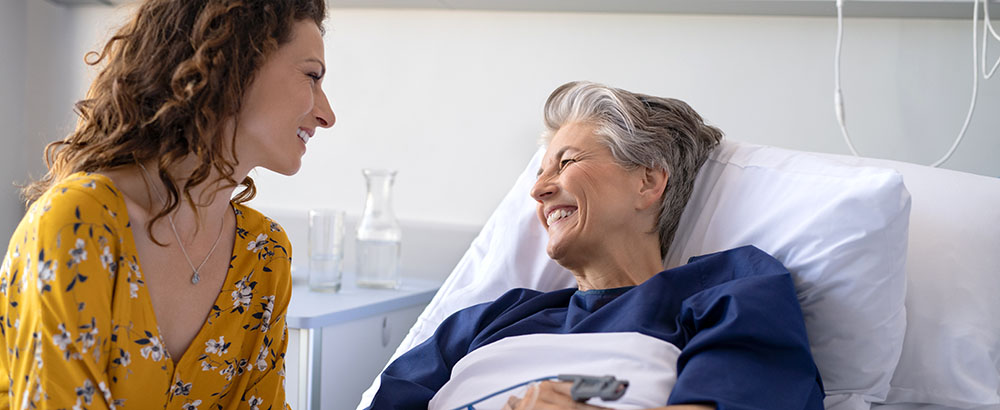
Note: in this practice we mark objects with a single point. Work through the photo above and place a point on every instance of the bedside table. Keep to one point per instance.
(338, 342)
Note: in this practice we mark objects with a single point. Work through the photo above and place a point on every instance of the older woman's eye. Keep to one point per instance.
(315, 76)
(565, 162)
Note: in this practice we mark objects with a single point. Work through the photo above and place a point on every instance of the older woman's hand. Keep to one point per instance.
(556, 395)
(548, 395)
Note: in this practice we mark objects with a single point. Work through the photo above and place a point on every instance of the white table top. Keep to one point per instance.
(309, 309)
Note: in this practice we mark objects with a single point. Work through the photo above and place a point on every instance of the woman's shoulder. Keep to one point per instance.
(92, 184)
(82, 196)
(269, 252)
(732, 264)
(252, 221)
(743, 261)
(733, 271)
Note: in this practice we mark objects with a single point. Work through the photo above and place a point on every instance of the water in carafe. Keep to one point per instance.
(378, 263)
(379, 234)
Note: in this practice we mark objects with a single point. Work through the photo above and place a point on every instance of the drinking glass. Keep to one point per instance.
(326, 249)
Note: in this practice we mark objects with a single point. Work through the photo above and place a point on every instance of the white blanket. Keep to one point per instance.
(649, 364)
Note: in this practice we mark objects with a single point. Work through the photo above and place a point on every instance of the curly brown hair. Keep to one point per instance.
(173, 76)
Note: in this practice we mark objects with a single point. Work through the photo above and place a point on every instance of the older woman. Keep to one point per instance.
(724, 331)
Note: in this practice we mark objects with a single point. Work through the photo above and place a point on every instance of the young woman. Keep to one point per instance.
(136, 278)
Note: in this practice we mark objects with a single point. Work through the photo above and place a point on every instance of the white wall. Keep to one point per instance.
(453, 98)
(54, 69)
(12, 93)
(37, 92)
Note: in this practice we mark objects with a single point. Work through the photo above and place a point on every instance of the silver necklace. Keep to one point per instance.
(195, 277)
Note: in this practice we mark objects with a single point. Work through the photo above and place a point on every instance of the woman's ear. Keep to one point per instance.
(654, 182)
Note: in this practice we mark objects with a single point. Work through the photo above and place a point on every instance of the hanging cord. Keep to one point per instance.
(838, 96)
(987, 24)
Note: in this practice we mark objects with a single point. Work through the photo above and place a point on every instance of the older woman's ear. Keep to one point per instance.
(654, 182)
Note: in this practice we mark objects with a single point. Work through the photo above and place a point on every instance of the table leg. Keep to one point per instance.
(310, 368)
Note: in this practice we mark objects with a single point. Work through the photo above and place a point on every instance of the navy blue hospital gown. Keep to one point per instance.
(733, 315)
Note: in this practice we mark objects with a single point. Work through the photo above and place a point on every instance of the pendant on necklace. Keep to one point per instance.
(195, 278)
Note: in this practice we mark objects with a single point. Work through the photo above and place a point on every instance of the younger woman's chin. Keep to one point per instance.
(286, 171)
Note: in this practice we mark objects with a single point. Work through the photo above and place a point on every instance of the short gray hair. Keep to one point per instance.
(641, 131)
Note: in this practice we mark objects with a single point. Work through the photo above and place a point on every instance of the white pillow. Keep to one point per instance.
(951, 353)
(842, 233)
(840, 230)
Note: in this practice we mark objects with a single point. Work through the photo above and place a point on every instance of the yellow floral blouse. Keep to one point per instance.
(77, 323)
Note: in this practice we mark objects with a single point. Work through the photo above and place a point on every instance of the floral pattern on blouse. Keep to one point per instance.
(77, 327)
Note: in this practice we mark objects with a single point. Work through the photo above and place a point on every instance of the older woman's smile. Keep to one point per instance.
(558, 214)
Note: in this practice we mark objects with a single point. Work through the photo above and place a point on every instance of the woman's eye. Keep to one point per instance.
(565, 162)
(314, 76)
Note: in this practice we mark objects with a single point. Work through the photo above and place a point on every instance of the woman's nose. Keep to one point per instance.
(324, 114)
(543, 188)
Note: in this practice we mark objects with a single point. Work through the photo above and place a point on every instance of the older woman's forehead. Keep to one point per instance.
(571, 137)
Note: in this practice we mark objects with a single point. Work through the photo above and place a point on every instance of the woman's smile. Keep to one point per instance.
(304, 135)
(559, 215)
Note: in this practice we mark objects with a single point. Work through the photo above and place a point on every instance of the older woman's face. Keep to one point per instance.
(285, 103)
(584, 197)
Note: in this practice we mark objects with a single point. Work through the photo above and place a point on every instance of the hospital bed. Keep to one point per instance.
(896, 266)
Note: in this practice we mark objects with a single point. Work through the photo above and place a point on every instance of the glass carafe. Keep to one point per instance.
(379, 234)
